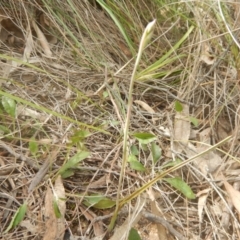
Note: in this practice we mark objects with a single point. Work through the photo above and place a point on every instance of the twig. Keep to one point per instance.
(11, 150)
(156, 219)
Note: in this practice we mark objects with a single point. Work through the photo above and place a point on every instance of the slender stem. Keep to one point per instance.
(144, 40)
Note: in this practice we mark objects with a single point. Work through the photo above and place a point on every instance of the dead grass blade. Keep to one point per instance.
(42, 40)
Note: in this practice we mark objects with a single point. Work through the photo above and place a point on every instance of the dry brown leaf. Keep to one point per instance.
(28, 112)
(124, 49)
(42, 39)
(202, 198)
(236, 7)
(51, 220)
(154, 232)
(55, 227)
(9, 67)
(157, 230)
(121, 233)
(181, 128)
(233, 194)
(206, 55)
(97, 226)
(29, 45)
(100, 182)
(59, 192)
(44, 20)
(29, 226)
(208, 162)
(146, 107)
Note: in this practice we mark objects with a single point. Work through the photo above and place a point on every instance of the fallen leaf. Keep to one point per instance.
(42, 39)
(157, 231)
(97, 226)
(29, 226)
(59, 192)
(181, 128)
(132, 219)
(208, 162)
(28, 46)
(27, 112)
(206, 56)
(55, 226)
(202, 198)
(51, 220)
(233, 194)
(146, 107)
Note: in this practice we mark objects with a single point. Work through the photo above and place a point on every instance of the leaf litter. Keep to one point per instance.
(57, 71)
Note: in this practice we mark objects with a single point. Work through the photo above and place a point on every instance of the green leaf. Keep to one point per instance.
(134, 150)
(133, 235)
(156, 152)
(181, 186)
(56, 209)
(135, 164)
(178, 106)
(172, 163)
(72, 162)
(79, 136)
(166, 58)
(144, 138)
(9, 105)
(99, 202)
(18, 217)
(67, 173)
(194, 121)
(33, 147)
(4, 130)
(105, 94)
(121, 28)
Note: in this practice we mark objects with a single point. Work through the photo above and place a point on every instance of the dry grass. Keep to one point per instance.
(75, 82)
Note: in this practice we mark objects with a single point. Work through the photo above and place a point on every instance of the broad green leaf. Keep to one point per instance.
(133, 235)
(72, 162)
(134, 150)
(99, 202)
(156, 152)
(172, 163)
(18, 217)
(144, 138)
(181, 186)
(56, 209)
(105, 203)
(178, 106)
(135, 164)
(67, 173)
(9, 105)
(33, 147)
(194, 121)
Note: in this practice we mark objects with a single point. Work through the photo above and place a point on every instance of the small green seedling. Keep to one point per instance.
(18, 217)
